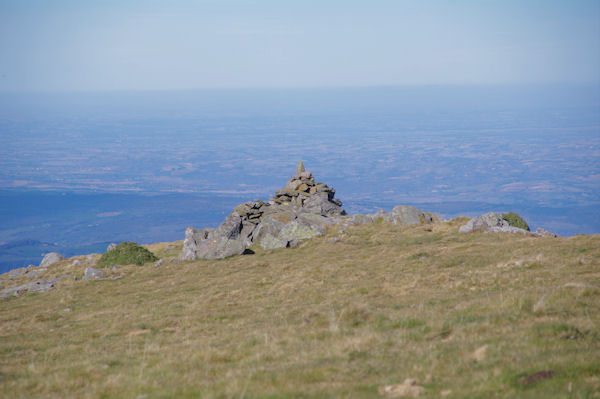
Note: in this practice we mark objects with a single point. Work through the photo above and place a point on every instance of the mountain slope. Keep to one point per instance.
(343, 315)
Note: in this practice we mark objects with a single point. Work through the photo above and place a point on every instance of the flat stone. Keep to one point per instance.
(36, 286)
(90, 273)
(17, 272)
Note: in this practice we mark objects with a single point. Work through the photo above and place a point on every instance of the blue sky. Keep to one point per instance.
(141, 45)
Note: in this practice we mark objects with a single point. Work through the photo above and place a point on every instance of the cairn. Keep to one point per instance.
(302, 186)
(296, 212)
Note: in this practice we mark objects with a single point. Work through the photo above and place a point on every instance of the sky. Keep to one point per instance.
(87, 45)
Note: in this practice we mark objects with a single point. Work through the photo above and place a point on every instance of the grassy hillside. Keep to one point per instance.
(472, 315)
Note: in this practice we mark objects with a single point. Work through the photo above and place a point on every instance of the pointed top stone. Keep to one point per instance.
(300, 168)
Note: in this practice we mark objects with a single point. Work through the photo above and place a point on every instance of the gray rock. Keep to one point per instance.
(51, 258)
(76, 262)
(300, 168)
(111, 247)
(270, 225)
(321, 204)
(193, 239)
(404, 214)
(295, 230)
(219, 247)
(36, 286)
(91, 273)
(221, 243)
(483, 223)
(539, 232)
(32, 275)
(272, 242)
(159, 263)
(315, 220)
(358, 219)
(491, 222)
(17, 272)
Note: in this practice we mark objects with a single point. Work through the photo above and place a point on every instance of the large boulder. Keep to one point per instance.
(222, 242)
(486, 223)
(51, 258)
(493, 222)
(193, 238)
(404, 214)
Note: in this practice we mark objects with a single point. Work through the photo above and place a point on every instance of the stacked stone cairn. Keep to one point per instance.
(303, 191)
(299, 211)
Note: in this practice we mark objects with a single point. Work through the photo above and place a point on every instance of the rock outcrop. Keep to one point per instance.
(51, 258)
(401, 214)
(493, 222)
(297, 212)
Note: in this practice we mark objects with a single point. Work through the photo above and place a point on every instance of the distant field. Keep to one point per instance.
(475, 315)
(81, 170)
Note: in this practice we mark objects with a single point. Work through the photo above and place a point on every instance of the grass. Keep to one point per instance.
(515, 220)
(383, 304)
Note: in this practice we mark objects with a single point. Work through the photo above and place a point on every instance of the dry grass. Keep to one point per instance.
(465, 315)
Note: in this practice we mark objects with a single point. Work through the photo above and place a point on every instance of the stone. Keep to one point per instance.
(36, 286)
(293, 185)
(539, 232)
(270, 241)
(491, 222)
(358, 219)
(320, 203)
(480, 353)
(159, 263)
(91, 273)
(51, 258)
(408, 388)
(219, 247)
(306, 175)
(298, 231)
(193, 238)
(76, 262)
(17, 272)
(111, 246)
(300, 168)
(404, 214)
(270, 225)
(32, 275)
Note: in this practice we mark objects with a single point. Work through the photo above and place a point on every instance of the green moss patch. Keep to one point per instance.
(515, 220)
(126, 253)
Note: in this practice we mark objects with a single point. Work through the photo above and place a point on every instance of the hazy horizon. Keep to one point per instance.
(67, 45)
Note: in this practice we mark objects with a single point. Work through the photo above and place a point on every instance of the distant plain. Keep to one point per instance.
(80, 170)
